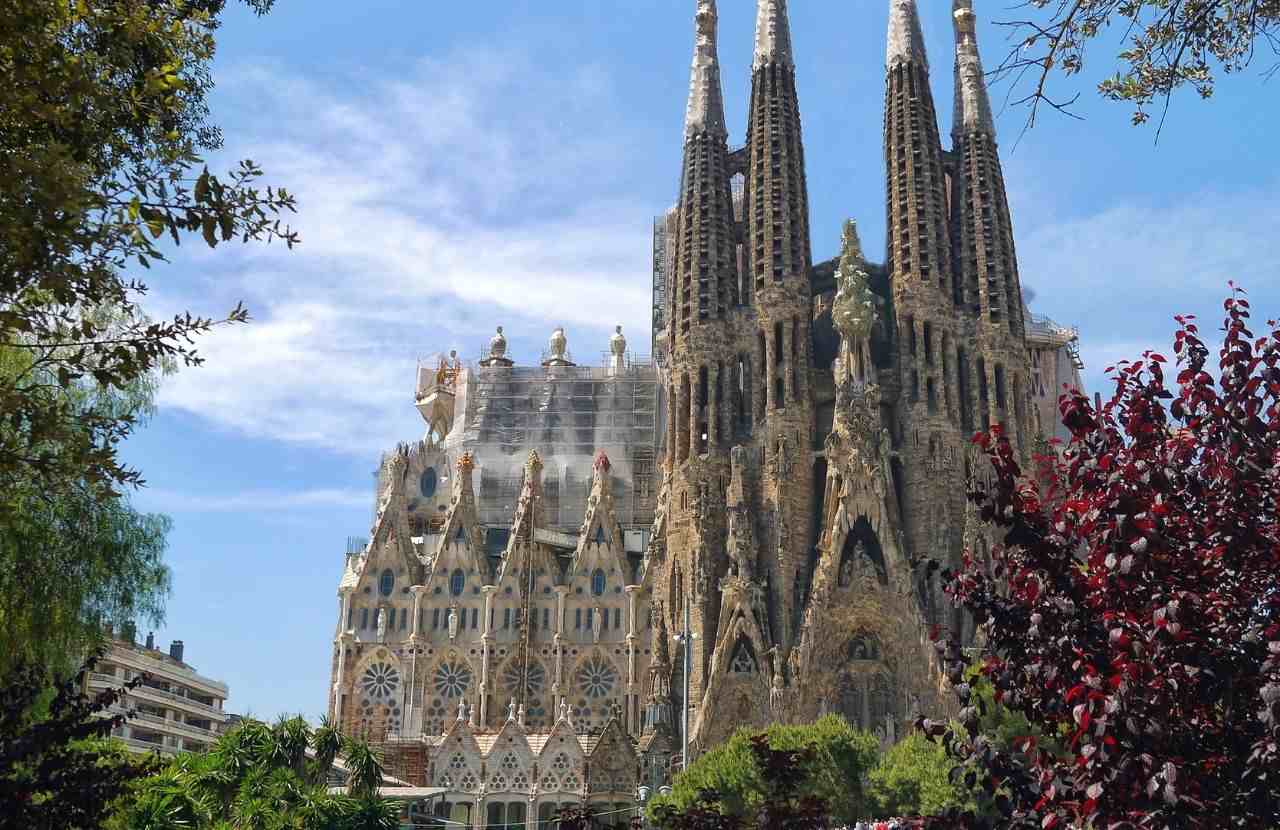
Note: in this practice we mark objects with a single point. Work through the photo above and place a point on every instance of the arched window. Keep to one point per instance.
(457, 581)
(597, 582)
(427, 484)
(387, 583)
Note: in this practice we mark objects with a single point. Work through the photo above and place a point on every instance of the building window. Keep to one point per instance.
(435, 618)
(364, 617)
(391, 619)
(404, 619)
(350, 614)
(506, 617)
(597, 582)
(577, 618)
(546, 618)
(475, 618)
(457, 581)
(387, 583)
(617, 618)
(590, 617)
(427, 484)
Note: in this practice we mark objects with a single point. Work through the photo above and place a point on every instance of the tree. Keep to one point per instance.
(263, 776)
(103, 120)
(1167, 45)
(108, 557)
(1134, 606)
(914, 779)
(57, 767)
(833, 761)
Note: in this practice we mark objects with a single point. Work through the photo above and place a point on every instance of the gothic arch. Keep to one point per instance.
(861, 549)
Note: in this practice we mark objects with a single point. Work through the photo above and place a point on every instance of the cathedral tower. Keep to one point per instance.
(777, 238)
(929, 337)
(986, 264)
(703, 300)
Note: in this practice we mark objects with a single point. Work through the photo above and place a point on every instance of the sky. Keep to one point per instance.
(464, 165)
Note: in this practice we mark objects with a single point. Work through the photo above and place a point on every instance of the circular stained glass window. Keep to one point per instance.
(427, 484)
(380, 681)
(596, 677)
(452, 679)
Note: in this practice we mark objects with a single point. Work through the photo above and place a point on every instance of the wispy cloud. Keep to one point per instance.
(1122, 273)
(471, 191)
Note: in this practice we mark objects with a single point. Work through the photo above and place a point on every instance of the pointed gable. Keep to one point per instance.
(460, 539)
(391, 543)
(600, 543)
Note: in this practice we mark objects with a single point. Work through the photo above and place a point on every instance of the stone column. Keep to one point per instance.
(714, 434)
(788, 364)
(695, 414)
(486, 653)
(769, 370)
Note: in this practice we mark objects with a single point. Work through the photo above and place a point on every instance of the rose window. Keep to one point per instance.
(380, 681)
(597, 677)
(535, 712)
(549, 783)
(452, 679)
(468, 783)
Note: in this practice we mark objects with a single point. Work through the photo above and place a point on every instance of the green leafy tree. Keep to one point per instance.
(103, 128)
(914, 779)
(1167, 46)
(108, 558)
(729, 779)
(58, 767)
(261, 776)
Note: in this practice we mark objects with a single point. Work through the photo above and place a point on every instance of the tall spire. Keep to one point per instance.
(706, 101)
(906, 41)
(773, 34)
(919, 247)
(973, 106)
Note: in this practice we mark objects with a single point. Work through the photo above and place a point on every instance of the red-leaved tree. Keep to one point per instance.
(1133, 608)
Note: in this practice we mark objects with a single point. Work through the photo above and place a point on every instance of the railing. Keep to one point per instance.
(145, 663)
(185, 701)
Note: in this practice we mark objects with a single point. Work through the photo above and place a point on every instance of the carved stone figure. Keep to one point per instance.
(382, 625)
(597, 623)
(453, 623)
(511, 710)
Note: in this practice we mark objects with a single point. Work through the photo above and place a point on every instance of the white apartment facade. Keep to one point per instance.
(175, 708)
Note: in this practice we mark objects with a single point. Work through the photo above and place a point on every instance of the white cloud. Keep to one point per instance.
(471, 192)
(252, 501)
(1122, 273)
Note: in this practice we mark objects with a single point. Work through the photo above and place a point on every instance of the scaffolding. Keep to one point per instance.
(568, 414)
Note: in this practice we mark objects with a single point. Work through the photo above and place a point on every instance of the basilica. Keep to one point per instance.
(754, 501)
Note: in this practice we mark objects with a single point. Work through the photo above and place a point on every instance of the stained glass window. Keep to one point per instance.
(457, 581)
(597, 676)
(427, 484)
(597, 582)
(387, 583)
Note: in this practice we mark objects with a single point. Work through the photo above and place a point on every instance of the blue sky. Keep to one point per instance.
(460, 166)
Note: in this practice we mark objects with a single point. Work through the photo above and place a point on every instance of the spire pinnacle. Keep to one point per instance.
(706, 102)
(773, 34)
(973, 106)
(906, 40)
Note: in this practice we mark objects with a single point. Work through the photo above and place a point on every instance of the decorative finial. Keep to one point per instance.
(534, 462)
(602, 463)
(498, 345)
(773, 34)
(706, 101)
(972, 104)
(906, 40)
(466, 462)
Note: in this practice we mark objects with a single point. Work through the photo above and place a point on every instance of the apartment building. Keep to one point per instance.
(175, 708)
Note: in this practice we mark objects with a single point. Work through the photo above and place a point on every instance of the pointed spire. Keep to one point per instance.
(773, 34)
(706, 102)
(973, 106)
(906, 40)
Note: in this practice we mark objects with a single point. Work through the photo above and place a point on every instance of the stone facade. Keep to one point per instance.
(798, 447)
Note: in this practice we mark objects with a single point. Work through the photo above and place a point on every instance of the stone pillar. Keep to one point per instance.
(788, 364)
(695, 414)
(715, 436)
(769, 370)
